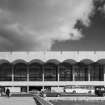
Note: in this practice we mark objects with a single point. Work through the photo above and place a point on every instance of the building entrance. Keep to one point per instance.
(35, 88)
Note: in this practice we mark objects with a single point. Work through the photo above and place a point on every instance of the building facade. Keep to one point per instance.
(37, 70)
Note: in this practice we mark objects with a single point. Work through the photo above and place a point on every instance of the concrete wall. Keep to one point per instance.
(60, 56)
(52, 83)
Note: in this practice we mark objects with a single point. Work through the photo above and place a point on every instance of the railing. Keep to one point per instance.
(41, 101)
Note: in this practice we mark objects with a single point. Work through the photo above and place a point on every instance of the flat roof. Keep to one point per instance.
(52, 55)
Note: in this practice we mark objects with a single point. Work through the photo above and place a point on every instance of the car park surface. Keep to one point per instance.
(17, 101)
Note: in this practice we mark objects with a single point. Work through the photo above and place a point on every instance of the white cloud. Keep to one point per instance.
(103, 9)
(38, 28)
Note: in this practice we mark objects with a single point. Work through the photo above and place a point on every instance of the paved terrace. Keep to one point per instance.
(17, 101)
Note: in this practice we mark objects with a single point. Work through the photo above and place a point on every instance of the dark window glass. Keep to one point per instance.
(5, 72)
(20, 72)
(50, 72)
(65, 72)
(81, 72)
(35, 72)
(97, 72)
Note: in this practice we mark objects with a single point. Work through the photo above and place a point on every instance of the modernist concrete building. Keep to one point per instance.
(37, 70)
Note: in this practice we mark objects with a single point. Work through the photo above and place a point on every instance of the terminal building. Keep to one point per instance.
(26, 71)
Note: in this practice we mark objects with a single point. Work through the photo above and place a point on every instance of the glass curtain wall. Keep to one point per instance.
(81, 72)
(6, 72)
(20, 72)
(50, 72)
(35, 72)
(96, 72)
(65, 72)
(101, 72)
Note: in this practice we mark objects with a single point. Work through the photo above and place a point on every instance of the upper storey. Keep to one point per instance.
(53, 55)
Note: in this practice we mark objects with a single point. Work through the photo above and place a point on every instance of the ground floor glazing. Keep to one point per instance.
(52, 71)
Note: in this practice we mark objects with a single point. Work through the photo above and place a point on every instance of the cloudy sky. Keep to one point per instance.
(29, 25)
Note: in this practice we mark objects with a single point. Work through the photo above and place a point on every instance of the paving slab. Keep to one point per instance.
(17, 101)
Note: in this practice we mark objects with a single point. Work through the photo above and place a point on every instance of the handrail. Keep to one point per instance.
(40, 101)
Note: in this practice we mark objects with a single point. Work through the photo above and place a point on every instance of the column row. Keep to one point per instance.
(51, 72)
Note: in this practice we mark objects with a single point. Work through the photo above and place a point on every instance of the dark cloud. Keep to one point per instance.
(37, 24)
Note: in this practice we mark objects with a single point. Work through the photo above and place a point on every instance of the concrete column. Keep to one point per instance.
(27, 73)
(104, 72)
(73, 71)
(43, 76)
(27, 89)
(12, 73)
(89, 68)
(58, 74)
(43, 73)
(42, 87)
(27, 78)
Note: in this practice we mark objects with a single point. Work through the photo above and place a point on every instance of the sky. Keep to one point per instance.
(39, 25)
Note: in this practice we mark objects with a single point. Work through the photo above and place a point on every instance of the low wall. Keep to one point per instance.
(76, 98)
(40, 101)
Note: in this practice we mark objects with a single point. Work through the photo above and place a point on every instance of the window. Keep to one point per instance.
(50, 72)
(65, 71)
(35, 72)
